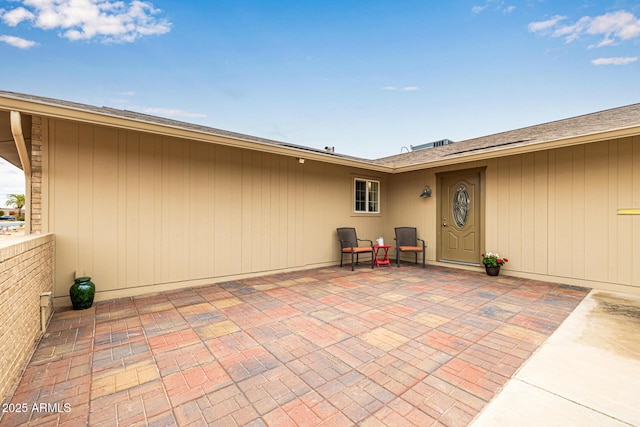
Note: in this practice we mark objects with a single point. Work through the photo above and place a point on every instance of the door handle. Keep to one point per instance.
(444, 221)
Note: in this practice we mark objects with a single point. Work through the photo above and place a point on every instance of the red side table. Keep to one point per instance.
(385, 258)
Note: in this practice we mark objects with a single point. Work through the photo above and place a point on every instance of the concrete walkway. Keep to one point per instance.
(586, 374)
(385, 347)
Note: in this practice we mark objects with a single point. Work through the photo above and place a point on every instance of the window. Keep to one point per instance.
(367, 196)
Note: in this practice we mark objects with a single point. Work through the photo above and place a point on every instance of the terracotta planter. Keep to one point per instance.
(492, 271)
(82, 292)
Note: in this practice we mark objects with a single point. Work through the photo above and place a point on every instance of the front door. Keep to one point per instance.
(460, 216)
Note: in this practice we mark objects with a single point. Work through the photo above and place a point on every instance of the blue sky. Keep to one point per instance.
(367, 77)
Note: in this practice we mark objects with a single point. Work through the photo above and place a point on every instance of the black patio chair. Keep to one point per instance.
(349, 245)
(407, 241)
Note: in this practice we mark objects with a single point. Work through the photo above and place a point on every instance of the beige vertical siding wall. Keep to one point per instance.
(110, 198)
(555, 213)
(111, 202)
(552, 213)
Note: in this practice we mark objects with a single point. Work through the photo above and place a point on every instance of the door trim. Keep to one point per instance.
(439, 178)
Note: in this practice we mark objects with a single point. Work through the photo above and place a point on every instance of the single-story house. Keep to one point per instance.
(559, 199)
(8, 210)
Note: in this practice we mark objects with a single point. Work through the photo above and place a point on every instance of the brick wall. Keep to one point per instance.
(26, 270)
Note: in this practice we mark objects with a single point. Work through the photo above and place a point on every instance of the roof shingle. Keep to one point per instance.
(603, 121)
(607, 120)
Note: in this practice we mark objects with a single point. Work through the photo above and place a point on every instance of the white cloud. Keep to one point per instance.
(542, 26)
(495, 5)
(170, 112)
(623, 25)
(616, 60)
(604, 42)
(109, 21)
(613, 27)
(16, 16)
(572, 32)
(404, 89)
(17, 42)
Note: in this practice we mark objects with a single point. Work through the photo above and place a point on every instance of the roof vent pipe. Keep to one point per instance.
(330, 149)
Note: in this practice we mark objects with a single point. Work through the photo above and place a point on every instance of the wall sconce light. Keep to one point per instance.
(301, 160)
(426, 192)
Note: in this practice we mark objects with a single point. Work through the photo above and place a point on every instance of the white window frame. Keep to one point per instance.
(367, 200)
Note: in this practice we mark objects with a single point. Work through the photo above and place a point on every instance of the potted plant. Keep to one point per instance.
(492, 263)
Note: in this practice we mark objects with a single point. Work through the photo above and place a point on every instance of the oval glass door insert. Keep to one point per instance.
(461, 205)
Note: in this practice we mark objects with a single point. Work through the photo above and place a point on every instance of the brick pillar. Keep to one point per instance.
(36, 174)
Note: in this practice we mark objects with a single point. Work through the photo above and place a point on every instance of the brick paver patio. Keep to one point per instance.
(406, 346)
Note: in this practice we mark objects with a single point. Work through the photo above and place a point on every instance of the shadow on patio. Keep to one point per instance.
(318, 347)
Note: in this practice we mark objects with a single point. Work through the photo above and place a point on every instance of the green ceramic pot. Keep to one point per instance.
(82, 292)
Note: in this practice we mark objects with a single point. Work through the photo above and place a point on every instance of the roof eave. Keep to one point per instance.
(90, 117)
(69, 112)
(521, 149)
